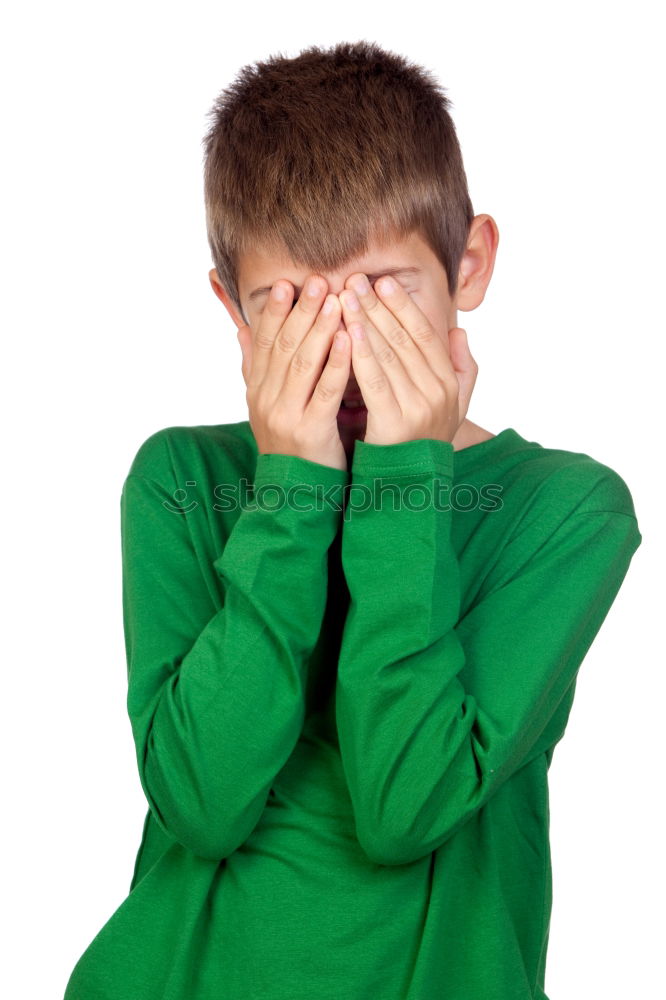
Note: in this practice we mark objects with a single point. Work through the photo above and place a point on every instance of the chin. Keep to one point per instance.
(352, 433)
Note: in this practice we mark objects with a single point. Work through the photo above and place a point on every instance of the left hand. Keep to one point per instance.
(413, 384)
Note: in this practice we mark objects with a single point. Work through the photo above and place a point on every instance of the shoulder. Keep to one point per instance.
(561, 500)
(563, 507)
(539, 478)
(572, 482)
(168, 453)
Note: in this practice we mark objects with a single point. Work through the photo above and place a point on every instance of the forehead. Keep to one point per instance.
(258, 270)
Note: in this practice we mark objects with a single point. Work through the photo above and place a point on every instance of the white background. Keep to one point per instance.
(112, 332)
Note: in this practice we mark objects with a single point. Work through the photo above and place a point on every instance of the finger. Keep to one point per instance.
(402, 384)
(306, 364)
(273, 316)
(290, 336)
(371, 376)
(330, 388)
(393, 311)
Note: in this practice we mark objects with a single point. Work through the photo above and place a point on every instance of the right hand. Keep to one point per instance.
(293, 404)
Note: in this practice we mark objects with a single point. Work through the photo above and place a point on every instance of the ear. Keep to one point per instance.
(225, 298)
(477, 264)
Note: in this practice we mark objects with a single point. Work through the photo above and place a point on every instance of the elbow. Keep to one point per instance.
(401, 838)
(212, 835)
(389, 844)
(210, 822)
(213, 840)
(381, 852)
(203, 845)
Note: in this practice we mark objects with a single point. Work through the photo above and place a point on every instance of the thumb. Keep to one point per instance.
(464, 365)
(459, 352)
(245, 340)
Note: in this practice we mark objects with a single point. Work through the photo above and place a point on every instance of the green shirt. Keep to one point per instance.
(344, 711)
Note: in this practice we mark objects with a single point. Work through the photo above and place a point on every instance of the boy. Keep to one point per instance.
(345, 703)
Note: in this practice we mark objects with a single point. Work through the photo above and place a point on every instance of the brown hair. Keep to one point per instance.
(319, 155)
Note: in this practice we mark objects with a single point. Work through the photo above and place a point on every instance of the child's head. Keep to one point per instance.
(336, 162)
(318, 158)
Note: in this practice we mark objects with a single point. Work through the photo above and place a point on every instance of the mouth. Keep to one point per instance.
(353, 397)
(352, 411)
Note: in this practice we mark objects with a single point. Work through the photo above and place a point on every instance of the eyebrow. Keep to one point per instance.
(393, 271)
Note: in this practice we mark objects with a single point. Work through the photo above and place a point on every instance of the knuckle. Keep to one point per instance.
(438, 396)
(300, 434)
(386, 355)
(285, 343)
(265, 416)
(269, 423)
(452, 389)
(424, 410)
(301, 365)
(275, 423)
(399, 337)
(377, 383)
(424, 334)
(263, 342)
(324, 390)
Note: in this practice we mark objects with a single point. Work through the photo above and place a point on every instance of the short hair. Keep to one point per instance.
(319, 155)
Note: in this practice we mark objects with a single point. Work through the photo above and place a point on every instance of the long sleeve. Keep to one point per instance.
(436, 712)
(216, 697)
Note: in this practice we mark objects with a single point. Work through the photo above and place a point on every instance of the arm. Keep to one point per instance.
(216, 698)
(435, 714)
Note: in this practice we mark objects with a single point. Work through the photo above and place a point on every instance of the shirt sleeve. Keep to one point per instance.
(435, 713)
(216, 697)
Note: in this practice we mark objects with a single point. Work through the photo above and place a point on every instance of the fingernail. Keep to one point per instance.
(361, 285)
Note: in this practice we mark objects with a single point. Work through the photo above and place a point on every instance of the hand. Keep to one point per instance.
(414, 384)
(293, 404)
